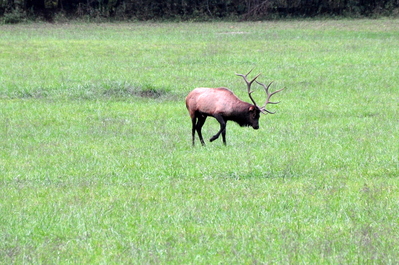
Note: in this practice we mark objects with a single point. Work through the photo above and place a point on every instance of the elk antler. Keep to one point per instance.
(269, 95)
(249, 83)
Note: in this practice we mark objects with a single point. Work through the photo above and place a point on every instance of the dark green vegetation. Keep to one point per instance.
(15, 11)
(96, 160)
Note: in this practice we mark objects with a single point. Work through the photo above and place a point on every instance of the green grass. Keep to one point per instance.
(96, 163)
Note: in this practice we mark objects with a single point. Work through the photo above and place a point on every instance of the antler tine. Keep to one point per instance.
(269, 95)
(249, 83)
(249, 71)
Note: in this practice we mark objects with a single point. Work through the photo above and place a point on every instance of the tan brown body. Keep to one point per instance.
(221, 104)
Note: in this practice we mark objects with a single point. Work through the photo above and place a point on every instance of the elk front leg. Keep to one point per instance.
(222, 130)
(224, 135)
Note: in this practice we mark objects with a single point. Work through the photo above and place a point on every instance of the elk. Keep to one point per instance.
(223, 105)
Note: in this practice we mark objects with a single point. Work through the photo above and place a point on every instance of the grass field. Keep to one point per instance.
(97, 165)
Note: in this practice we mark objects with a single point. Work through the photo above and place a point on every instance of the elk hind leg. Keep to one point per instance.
(198, 127)
(194, 121)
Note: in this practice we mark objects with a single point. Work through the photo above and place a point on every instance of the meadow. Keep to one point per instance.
(96, 162)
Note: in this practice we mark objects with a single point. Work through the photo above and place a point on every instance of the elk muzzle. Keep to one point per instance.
(255, 125)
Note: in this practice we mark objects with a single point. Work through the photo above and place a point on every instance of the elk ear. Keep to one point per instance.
(251, 108)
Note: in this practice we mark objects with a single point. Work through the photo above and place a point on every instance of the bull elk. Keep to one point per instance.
(223, 105)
